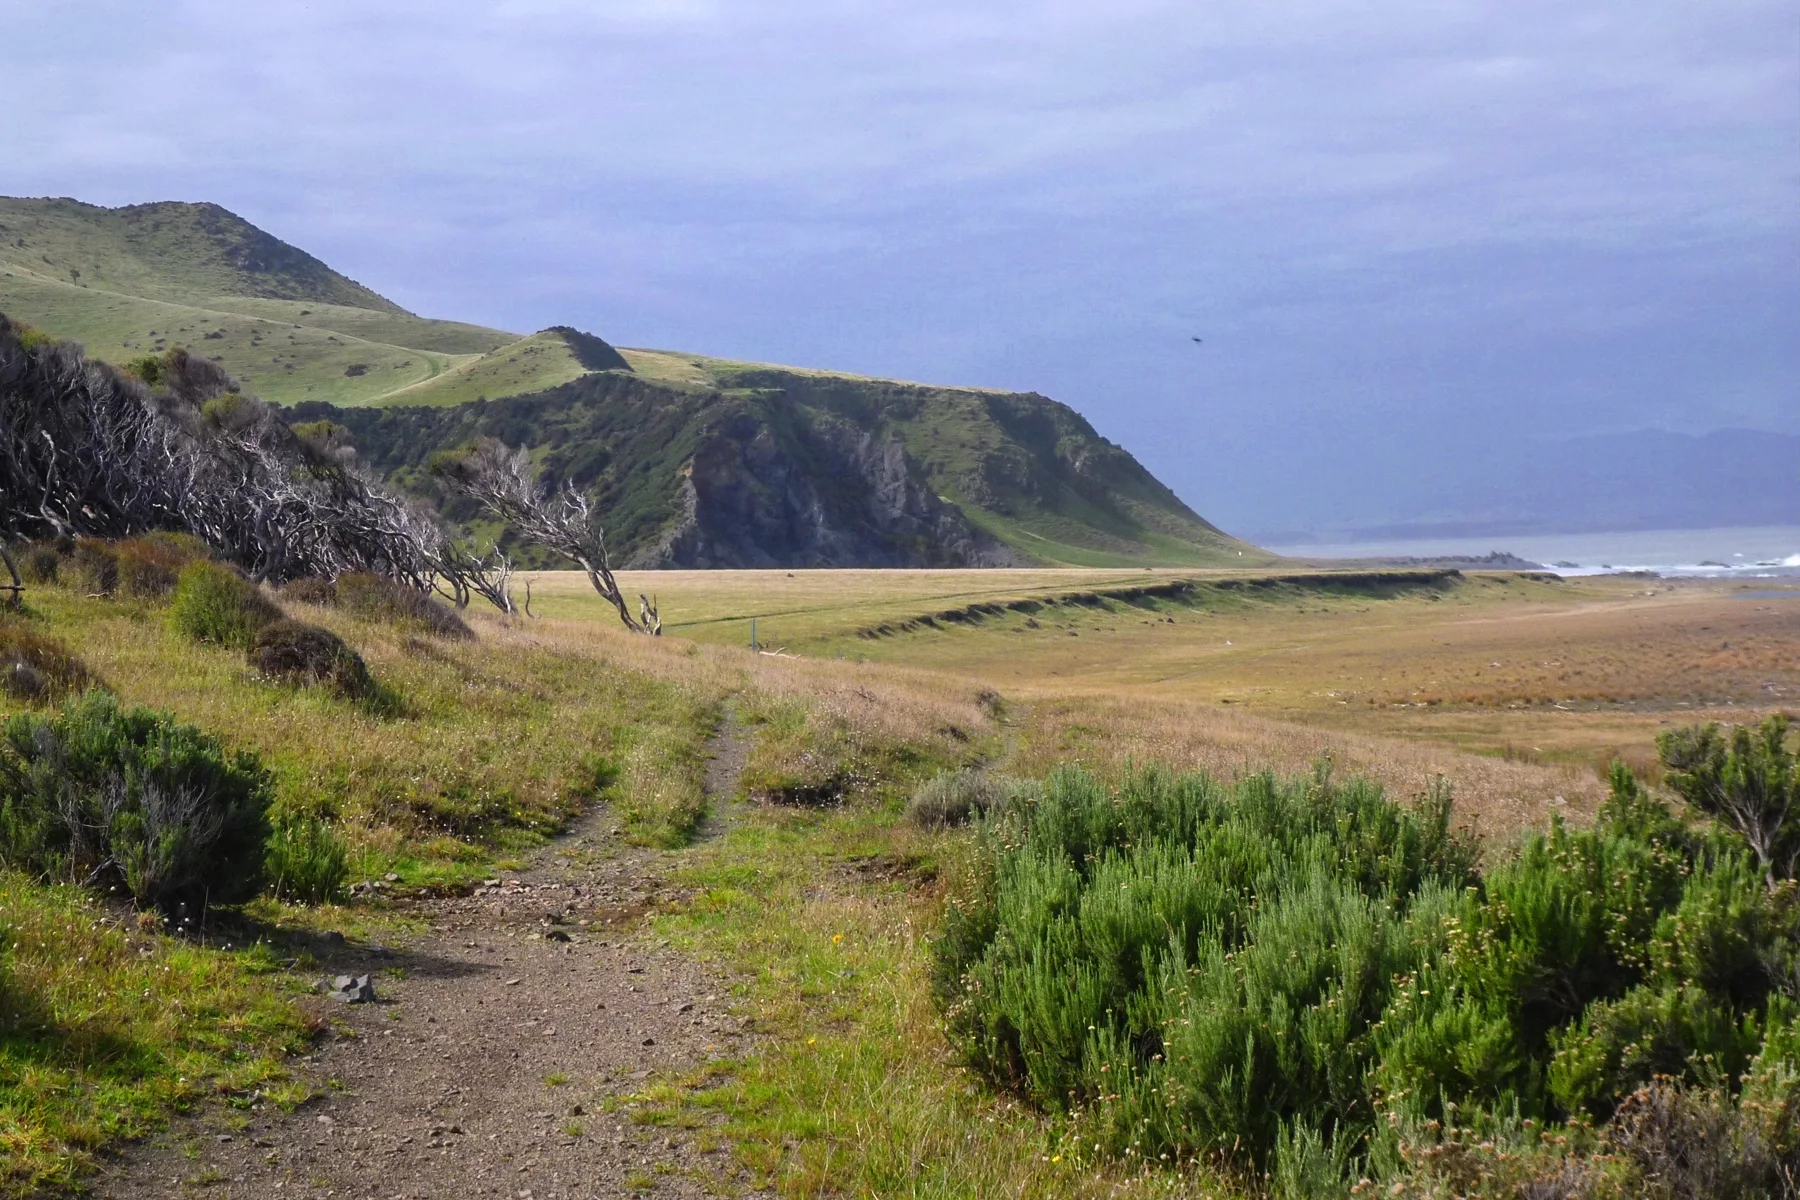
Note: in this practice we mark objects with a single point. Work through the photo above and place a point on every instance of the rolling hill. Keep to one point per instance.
(696, 461)
(138, 280)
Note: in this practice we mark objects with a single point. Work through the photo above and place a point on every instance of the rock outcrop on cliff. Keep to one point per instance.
(848, 497)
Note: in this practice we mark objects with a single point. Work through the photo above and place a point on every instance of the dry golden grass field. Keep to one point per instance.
(1520, 688)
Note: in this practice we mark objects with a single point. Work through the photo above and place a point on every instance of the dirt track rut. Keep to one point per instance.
(484, 1068)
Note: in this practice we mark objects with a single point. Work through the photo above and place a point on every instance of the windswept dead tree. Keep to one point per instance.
(80, 446)
(85, 449)
(502, 482)
(284, 503)
(468, 572)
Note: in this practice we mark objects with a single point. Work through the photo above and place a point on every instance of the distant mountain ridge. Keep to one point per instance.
(694, 461)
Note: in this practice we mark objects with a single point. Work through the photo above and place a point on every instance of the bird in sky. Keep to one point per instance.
(1196, 339)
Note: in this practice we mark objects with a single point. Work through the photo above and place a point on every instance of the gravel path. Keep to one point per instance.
(483, 1067)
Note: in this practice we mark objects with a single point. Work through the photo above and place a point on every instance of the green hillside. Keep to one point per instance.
(168, 251)
(810, 469)
(697, 461)
(137, 280)
(534, 364)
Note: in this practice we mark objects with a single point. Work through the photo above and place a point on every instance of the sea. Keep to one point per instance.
(1748, 552)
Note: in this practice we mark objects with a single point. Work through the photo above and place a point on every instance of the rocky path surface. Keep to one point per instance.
(484, 1066)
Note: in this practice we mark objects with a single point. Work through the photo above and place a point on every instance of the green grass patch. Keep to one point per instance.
(532, 364)
(854, 1090)
(105, 1029)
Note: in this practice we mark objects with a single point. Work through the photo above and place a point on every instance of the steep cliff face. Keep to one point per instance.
(828, 495)
(1027, 470)
(773, 468)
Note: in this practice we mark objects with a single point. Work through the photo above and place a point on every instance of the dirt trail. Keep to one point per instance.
(729, 751)
(483, 1068)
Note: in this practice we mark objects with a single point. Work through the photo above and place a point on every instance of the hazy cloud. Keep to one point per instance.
(1396, 224)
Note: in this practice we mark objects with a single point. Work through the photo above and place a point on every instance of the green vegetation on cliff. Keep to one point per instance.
(769, 467)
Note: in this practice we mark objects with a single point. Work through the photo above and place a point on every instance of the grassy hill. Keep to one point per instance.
(138, 280)
(696, 460)
(169, 251)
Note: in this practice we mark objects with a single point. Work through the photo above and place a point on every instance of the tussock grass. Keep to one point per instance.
(305, 655)
(92, 566)
(36, 668)
(958, 797)
(150, 566)
(39, 563)
(827, 735)
(378, 598)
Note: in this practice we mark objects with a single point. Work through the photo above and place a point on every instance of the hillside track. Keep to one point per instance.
(487, 1064)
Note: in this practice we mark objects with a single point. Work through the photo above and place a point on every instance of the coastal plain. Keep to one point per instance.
(1520, 667)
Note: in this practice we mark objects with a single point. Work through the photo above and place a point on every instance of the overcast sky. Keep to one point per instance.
(1403, 229)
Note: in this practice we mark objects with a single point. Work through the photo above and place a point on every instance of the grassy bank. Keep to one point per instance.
(493, 745)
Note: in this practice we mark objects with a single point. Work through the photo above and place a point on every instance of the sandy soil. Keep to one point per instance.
(484, 1066)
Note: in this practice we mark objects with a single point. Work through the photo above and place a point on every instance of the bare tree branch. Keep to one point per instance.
(503, 482)
(486, 574)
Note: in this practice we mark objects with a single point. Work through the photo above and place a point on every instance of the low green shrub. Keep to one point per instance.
(106, 795)
(1283, 976)
(378, 598)
(305, 655)
(35, 668)
(146, 367)
(307, 861)
(957, 797)
(32, 338)
(216, 603)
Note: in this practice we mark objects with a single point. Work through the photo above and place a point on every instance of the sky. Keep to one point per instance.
(1407, 233)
